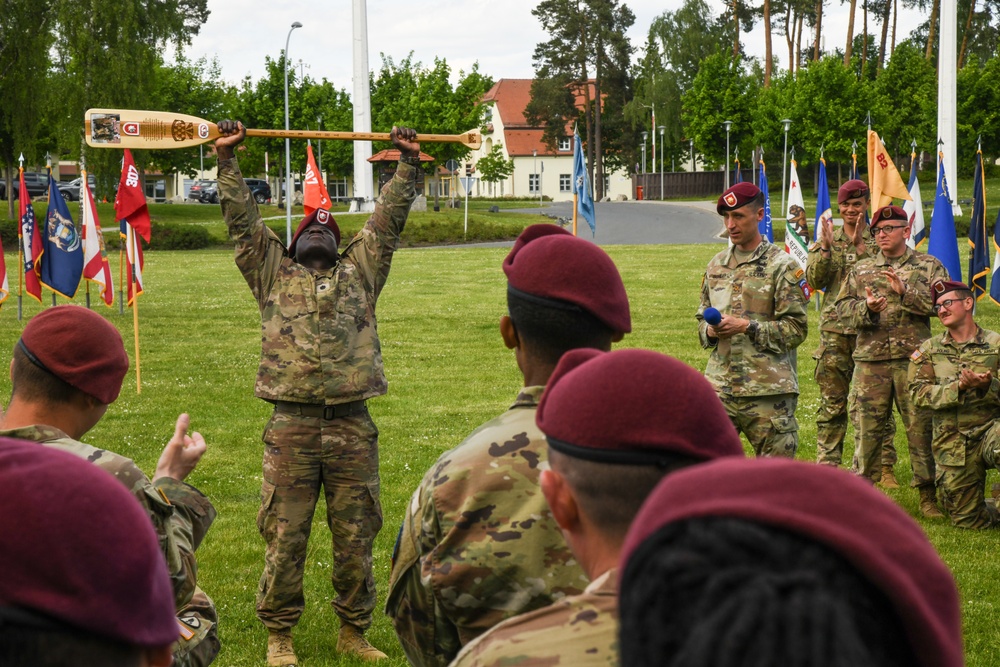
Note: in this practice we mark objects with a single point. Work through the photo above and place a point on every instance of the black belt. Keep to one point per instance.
(321, 411)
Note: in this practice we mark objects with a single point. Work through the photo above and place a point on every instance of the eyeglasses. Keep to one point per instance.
(885, 229)
(948, 303)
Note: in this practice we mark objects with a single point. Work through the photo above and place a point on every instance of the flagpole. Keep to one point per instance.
(576, 199)
(121, 275)
(83, 230)
(135, 328)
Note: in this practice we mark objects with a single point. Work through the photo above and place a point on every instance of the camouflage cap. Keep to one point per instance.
(739, 195)
(889, 213)
(550, 265)
(852, 189)
(836, 509)
(79, 347)
(942, 287)
(81, 553)
(664, 409)
(318, 217)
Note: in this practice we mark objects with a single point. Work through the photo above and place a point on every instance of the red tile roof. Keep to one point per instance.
(511, 98)
(392, 155)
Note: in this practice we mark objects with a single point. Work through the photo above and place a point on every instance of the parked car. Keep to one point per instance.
(194, 194)
(37, 184)
(71, 189)
(260, 188)
(209, 194)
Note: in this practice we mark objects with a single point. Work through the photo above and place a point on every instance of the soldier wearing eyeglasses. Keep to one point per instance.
(887, 298)
(955, 376)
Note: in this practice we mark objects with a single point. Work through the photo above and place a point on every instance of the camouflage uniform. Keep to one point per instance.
(320, 360)
(834, 356)
(181, 516)
(757, 379)
(966, 429)
(478, 544)
(885, 342)
(581, 631)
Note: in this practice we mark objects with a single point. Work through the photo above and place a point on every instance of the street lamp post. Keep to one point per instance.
(645, 135)
(784, 160)
(288, 149)
(694, 167)
(661, 161)
(534, 169)
(728, 125)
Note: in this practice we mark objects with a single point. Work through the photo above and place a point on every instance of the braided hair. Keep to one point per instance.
(726, 592)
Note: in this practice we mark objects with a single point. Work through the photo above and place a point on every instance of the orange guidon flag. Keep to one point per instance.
(883, 178)
(315, 195)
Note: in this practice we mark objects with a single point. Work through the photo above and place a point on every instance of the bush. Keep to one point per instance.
(166, 236)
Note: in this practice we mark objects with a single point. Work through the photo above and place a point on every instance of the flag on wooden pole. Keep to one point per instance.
(62, 246)
(979, 254)
(315, 195)
(824, 212)
(765, 225)
(914, 207)
(95, 261)
(883, 177)
(583, 199)
(796, 227)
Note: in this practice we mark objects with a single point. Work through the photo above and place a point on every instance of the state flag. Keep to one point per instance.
(61, 263)
(31, 244)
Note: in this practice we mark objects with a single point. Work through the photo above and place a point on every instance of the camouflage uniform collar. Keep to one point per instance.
(528, 397)
(882, 260)
(754, 256)
(979, 339)
(35, 433)
(606, 583)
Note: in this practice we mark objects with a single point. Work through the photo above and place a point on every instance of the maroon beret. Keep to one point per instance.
(633, 406)
(836, 509)
(319, 217)
(79, 347)
(739, 195)
(78, 550)
(889, 213)
(549, 264)
(942, 287)
(852, 189)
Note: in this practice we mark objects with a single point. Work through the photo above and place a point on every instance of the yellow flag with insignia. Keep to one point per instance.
(883, 178)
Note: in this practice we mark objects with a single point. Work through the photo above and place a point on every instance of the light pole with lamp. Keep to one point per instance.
(645, 135)
(534, 169)
(288, 148)
(728, 125)
(784, 161)
(661, 161)
(694, 167)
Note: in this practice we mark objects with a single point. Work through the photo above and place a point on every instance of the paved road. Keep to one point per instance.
(635, 222)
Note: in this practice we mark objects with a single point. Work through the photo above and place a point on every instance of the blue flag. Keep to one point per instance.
(944, 239)
(995, 280)
(979, 254)
(581, 185)
(765, 227)
(823, 209)
(62, 250)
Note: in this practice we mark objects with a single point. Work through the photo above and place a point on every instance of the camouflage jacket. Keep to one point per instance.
(905, 323)
(766, 288)
(478, 544)
(581, 631)
(319, 338)
(180, 513)
(830, 273)
(960, 416)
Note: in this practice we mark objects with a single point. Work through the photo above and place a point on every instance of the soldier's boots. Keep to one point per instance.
(280, 652)
(928, 503)
(352, 642)
(888, 480)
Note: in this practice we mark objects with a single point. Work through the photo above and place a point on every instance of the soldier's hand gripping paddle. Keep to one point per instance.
(162, 130)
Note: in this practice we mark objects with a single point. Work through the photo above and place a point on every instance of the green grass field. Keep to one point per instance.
(448, 372)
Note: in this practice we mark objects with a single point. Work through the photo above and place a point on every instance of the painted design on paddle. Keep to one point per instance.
(104, 128)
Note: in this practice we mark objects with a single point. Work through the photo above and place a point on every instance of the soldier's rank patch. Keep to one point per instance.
(798, 273)
(916, 356)
(804, 286)
(850, 257)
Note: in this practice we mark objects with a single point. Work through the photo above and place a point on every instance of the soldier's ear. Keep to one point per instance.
(509, 333)
(560, 499)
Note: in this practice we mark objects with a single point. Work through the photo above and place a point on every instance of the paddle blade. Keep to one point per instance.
(157, 130)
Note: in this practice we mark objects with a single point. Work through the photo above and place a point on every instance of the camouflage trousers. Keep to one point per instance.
(303, 455)
(834, 369)
(962, 488)
(876, 385)
(768, 422)
(199, 633)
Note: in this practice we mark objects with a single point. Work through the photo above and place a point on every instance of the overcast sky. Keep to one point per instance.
(500, 34)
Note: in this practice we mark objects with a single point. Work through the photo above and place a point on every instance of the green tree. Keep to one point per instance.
(902, 117)
(493, 168)
(723, 90)
(978, 101)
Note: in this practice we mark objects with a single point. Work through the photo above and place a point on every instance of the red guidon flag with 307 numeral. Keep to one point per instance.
(315, 195)
(132, 213)
(95, 261)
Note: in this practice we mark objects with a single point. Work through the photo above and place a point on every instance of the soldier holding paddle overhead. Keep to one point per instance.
(320, 362)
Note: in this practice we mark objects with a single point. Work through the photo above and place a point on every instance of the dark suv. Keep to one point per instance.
(194, 194)
(260, 189)
(37, 184)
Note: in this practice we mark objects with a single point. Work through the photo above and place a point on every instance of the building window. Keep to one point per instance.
(564, 144)
(337, 189)
(565, 182)
(533, 182)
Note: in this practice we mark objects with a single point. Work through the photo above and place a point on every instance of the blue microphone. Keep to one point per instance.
(712, 316)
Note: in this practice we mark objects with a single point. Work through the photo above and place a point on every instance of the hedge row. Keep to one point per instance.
(165, 236)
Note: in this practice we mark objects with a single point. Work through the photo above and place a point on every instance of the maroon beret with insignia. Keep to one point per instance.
(889, 213)
(318, 217)
(942, 287)
(739, 195)
(836, 509)
(852, 189)
(79, 347)
(80, 553)
(633, 406)
(550, 264)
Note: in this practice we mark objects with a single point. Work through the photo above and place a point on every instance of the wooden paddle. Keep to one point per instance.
(159, 130)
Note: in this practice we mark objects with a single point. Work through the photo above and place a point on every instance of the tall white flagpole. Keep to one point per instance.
(947, 95)
(363, 187)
